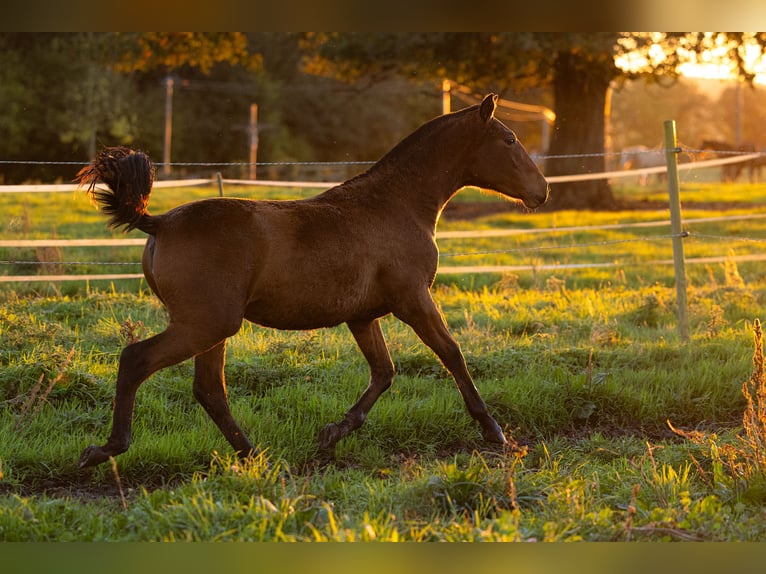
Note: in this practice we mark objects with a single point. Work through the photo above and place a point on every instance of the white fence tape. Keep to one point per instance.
(72, 187)
(652, 170)
(442, 270)
(70, 242)
(440, 235)
(57, 278)
(471, 269)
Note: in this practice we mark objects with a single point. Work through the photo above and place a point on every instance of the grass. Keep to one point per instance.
(584, 368)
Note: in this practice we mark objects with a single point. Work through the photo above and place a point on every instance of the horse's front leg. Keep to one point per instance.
(369, 337)
(426, 320)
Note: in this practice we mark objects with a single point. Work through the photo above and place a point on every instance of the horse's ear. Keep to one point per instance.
(487, 108)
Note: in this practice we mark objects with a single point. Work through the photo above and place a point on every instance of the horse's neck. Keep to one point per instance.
(422, 175)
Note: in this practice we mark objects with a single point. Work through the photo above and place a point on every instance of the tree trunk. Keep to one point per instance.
(580, 86)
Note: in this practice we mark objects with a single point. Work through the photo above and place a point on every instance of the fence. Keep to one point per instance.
(676, 235)
(736, 157)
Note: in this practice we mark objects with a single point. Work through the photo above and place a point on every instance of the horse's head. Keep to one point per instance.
(500, 163)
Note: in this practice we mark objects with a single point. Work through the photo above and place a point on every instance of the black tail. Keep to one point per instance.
(129, 175)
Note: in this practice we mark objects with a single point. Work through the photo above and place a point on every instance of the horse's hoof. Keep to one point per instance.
(329, 436)
(493, 433)
(92, 456)
(324, 458)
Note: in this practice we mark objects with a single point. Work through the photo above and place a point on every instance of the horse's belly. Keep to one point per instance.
(305, 317)
(312, 306)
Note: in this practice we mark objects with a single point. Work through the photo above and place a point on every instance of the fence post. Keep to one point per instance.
(671, 158)
(446, 97)
(219, 179)
(253, 129)
(168, 125)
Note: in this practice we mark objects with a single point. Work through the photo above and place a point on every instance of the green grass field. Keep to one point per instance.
(584, 367)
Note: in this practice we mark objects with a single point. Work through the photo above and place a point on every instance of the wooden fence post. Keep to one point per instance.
(446, 97)
(219, 179)
(168, 126)
(671, 158)
(253, 130)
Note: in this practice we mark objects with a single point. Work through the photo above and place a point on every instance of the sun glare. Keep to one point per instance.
(712, 64)
(711, 71)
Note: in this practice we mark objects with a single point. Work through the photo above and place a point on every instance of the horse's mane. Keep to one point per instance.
(411, 146)
(426, 131)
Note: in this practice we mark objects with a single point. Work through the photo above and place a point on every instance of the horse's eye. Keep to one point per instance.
(510, 140)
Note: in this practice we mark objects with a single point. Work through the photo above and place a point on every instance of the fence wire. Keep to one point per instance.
(540, 157)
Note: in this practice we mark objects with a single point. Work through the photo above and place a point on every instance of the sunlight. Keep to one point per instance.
(714, 63)
(721, 71)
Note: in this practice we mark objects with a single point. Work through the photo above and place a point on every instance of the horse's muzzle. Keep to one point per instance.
(533, 201)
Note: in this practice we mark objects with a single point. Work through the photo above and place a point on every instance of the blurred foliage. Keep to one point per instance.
(145, 51)
(327, 97)
(65, 94)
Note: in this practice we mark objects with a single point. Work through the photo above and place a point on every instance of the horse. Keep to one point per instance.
(641, 156)
(757, 164)
(353, 254)
(731, 172)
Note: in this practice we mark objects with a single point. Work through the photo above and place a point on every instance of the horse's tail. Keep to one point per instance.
(129, 174)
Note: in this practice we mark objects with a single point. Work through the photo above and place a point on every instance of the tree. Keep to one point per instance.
(59, 97)
(638, 109)
(578, 68)
(171, 51)
(97, 101)
(321, 96)
(583, 69)
(750, 102)
(63, 94)
(14, 93)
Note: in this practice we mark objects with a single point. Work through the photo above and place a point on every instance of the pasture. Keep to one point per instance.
(583, 367)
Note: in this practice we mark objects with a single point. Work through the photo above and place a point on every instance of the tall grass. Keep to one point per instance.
(740, 465)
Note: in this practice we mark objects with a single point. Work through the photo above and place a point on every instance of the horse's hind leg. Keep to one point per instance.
(369, 337)
(429, 325)
(137, 363)
(210, 391)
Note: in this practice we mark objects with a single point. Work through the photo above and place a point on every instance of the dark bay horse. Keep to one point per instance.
(731, 173)
(352, 254)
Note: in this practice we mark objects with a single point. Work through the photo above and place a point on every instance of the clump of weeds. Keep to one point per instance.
(740, 465)
(37, 398)
(132, 331)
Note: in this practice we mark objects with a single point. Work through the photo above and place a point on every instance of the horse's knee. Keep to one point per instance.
(199, 393)
(210, 399)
